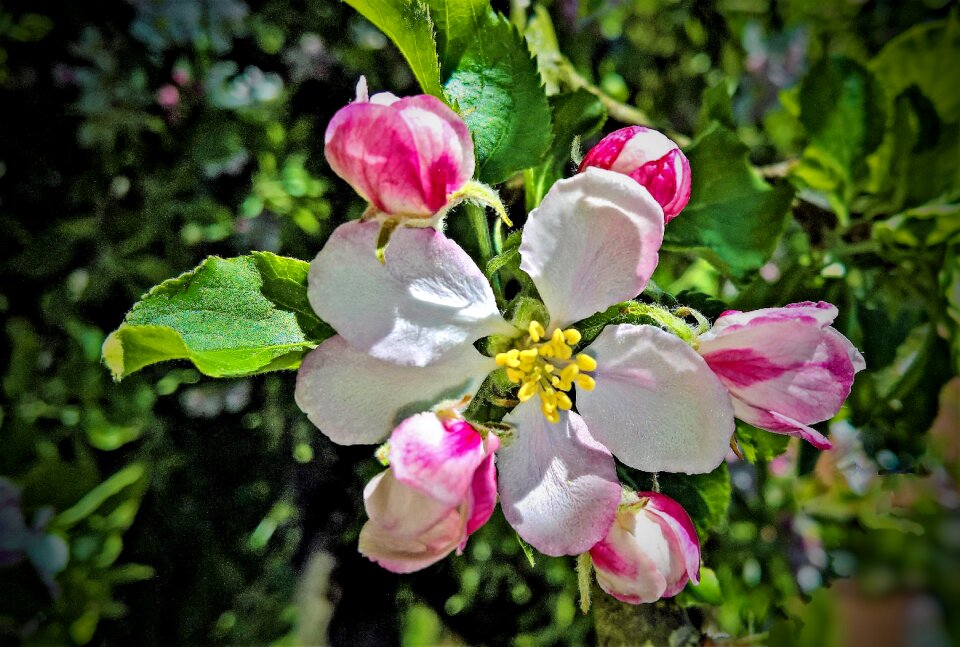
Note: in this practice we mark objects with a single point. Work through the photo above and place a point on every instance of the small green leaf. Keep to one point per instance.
(230, 317)
(578, 114)
(734, 217)
(925, 56)
(716, 104)
(407, 23)
(458, 22)
(705, 497)
(127, 477)
(498, 92)
(924, 226)
(759, 445)
(527, 551)
(708, 591)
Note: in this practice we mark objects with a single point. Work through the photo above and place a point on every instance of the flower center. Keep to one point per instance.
(548, 368)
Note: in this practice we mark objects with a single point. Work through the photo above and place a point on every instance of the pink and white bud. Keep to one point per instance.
(406, 157)
(785, 368)
(650, 158)
(650, 552)
(441, 487)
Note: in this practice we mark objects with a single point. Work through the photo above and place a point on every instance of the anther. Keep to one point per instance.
(586, 382)
(536, 331)
(586, 363)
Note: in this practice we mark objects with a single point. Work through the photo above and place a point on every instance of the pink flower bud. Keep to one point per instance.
(650, 551)
(651, 159)
(441, 487)
(406, 156)
(785, 368)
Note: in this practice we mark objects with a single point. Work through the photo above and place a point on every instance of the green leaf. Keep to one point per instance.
(705, 497)
(230, 317)
(458, 22)
(716, 104)
(924, 226)
(407, 23)
(734, 217)
(91, 502)
(842, 108)
(578, 114)
(758, 445)
(497, 91)
(925, 56)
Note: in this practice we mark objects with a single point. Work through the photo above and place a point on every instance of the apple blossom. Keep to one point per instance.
(406, 335)
(441, 486)
(650, 158)
(406, 157)
(651, 551)
(786, 368)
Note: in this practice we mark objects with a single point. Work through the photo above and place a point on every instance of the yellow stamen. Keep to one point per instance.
(536, 331)
(544, 365)
(586, 382)
(586, 363)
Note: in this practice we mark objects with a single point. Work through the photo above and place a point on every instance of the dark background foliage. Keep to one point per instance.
(140, 137)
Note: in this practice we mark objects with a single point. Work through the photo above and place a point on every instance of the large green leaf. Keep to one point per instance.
(925, 56)
(734, 217)
(458, 22)
(842, 108)
(578, 114)
(407, 23)
(498, 92)
(230, 317)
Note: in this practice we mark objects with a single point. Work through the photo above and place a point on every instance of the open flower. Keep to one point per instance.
(406, 334)
(441, 487)
(786, 368)
(406, 157)
(651, 551)
(650, 158)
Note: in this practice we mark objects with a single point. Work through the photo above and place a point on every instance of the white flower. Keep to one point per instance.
(406, 334)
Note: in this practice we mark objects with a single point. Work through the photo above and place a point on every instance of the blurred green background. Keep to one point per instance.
(140, 136)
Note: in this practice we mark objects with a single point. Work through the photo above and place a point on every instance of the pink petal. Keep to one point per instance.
(558, 486)
(785, 367)
(399, 509)
(436, 456)
(482, 497)
(779, 424)
(639, 560)
(591, 243)
(405, 157)
(428, 301)
(406, 555)
(657, 405)
(651, 159)
(685, 535)
(356, 399)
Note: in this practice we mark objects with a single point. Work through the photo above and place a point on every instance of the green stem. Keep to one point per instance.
(478, 224)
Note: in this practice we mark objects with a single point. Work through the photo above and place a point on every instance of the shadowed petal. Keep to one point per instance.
(426, 302)
(558, 486)
(355, 399)
(592, 242)
(657, 405)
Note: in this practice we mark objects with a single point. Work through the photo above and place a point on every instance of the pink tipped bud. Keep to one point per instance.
(441, 487)
(785, 368)
(404, 156)
(168, 96)
(651, 159)
(650, 552)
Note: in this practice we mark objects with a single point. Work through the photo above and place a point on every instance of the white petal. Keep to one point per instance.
(657, 405)
(591, 243)
(558, 486)
(425, 303)
(356, 399)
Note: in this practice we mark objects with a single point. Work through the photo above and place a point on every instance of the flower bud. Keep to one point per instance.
(650, 551)
(441, 487)
(651, 159)
(406, 157)
(785, 368)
